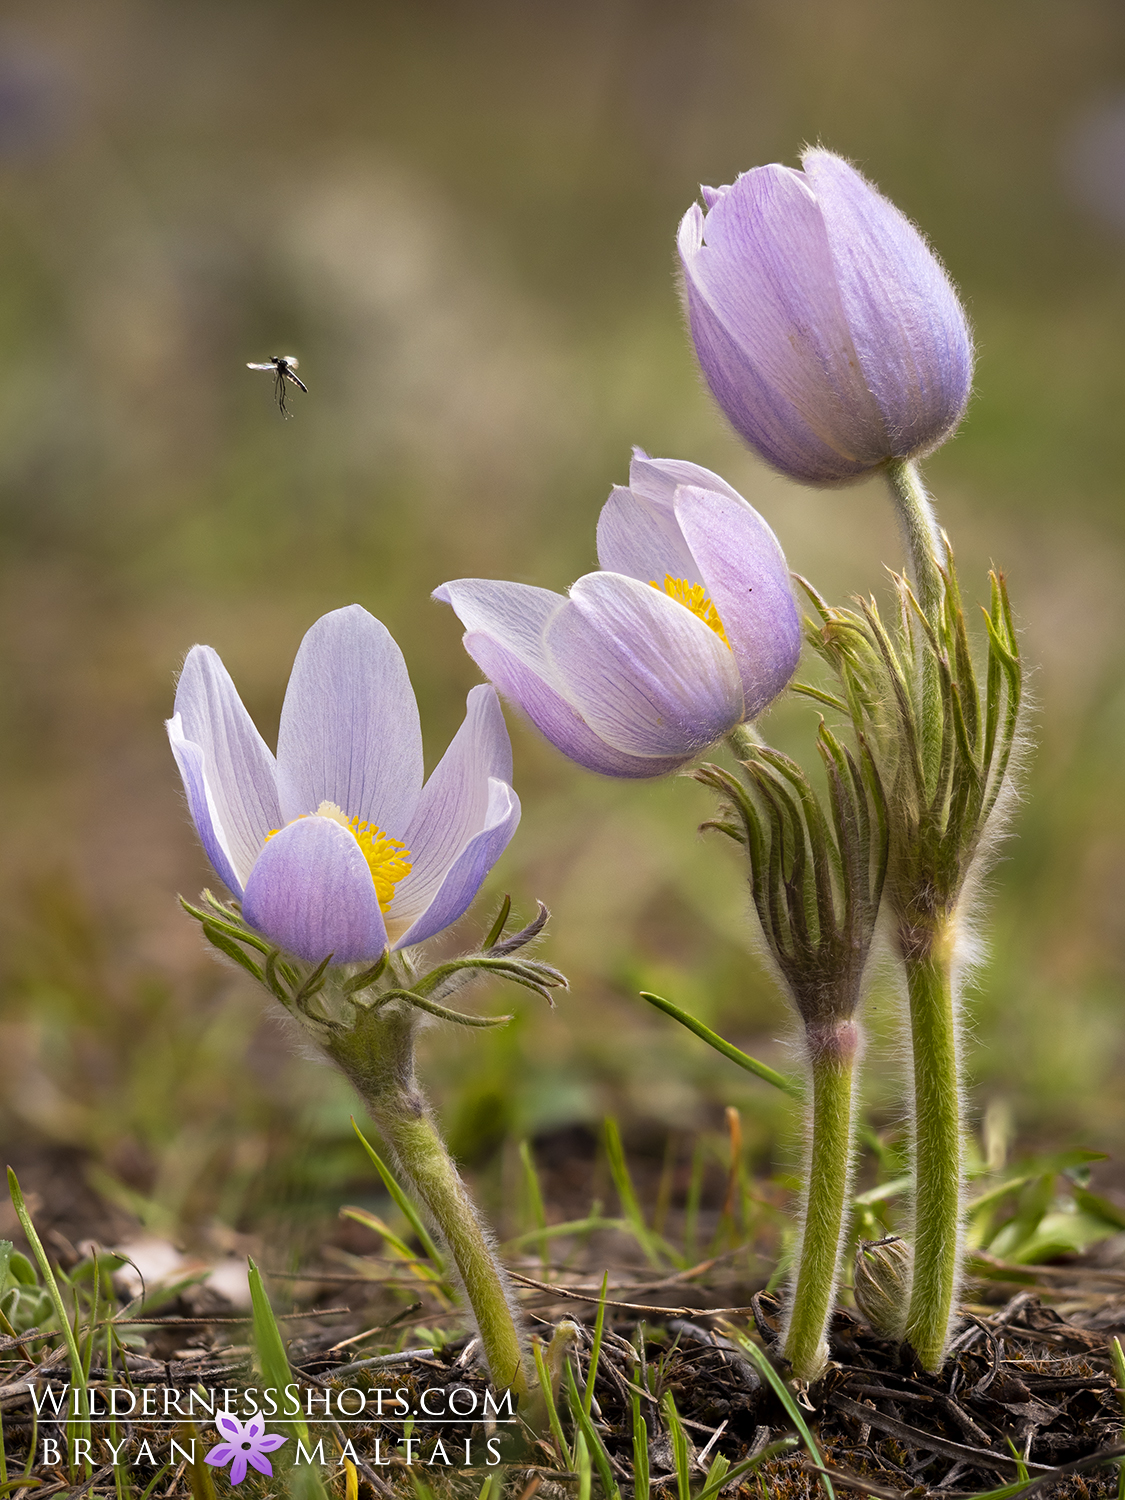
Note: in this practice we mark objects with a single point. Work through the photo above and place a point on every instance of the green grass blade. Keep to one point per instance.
(400, 1198)
(585, 1468)
(32, 1447)
(596, 1350)
(419, 1267)
(680, 1446)
(560, 1231)
(274, 1363)
(717, 1472)
(728, 1049)
(1021, 1468)
(884, 1191)
(1006, 1491)
(731, 1476)
(267, 1338)
(785, 1396)
(535, 1203)
(640, 1453)
(588, 1434)
(77, 1372)
(549, 1402)
(619, 1170)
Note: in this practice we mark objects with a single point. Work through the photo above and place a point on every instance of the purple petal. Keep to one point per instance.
(658, 479)
(255, 1427)
(647, 675)
(555, 718)
(349, 725)
(229, 1424)
(505, 625)
(770, 330)
(468, 871)
(907, 323)
(311, 892)
(237, 764)
(454, 804)
(262, 1465)
(514, 614)
(201, 803)
(238, 1469)
(271, 1441)
(642, 540)
(638, 533)
(220, 1455)
(747, 577)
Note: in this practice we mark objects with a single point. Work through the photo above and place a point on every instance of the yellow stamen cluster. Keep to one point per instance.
(693, 596)
(387, 858)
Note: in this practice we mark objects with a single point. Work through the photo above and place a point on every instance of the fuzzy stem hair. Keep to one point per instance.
(832, 1055)
(920, 531)
(931, 982)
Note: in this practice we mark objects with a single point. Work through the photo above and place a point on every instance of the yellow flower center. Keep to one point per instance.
(693, 596)
(387, 859)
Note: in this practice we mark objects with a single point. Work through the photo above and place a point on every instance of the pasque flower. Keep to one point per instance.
(827, 330)
(336, 847)
(689, 629)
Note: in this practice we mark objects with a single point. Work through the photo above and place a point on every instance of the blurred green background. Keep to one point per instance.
(461, 218)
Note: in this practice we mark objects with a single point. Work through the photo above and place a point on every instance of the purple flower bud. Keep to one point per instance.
(336, 847)
(827, 331)
(690, 629)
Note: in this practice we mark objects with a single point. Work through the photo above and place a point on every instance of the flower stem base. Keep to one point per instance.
(938, 1149)
(832, 1065)
(378, 1058)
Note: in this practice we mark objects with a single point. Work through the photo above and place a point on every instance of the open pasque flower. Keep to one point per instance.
(690, 629)
(337, 847)
(827, 330)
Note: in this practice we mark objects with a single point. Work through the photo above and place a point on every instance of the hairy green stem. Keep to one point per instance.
(938, 1144)
(378, 1058)
(743, 740)
(412, 1135)
(927, 554)
(920, 531)
(832, 1055)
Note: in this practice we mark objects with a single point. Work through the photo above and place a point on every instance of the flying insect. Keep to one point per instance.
(284, 367)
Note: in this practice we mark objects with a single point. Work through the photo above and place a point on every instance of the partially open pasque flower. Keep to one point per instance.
(336, 847)
(690, 629)
(827, 330)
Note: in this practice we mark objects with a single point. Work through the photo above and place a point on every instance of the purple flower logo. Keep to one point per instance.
(244, 1445)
